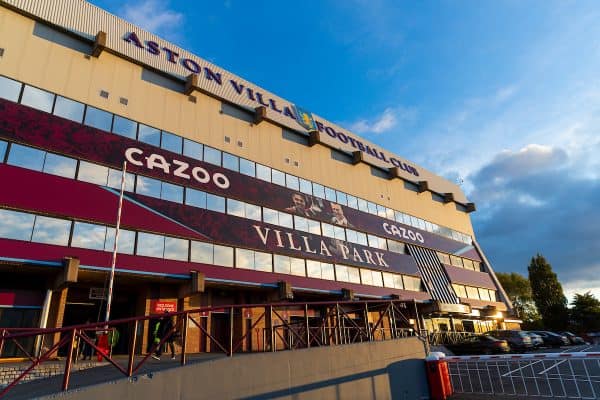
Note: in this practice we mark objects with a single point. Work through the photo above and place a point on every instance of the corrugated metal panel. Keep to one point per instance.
(434, 276)
(87, 20)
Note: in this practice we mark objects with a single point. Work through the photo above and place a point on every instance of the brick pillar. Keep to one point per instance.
(56, 315)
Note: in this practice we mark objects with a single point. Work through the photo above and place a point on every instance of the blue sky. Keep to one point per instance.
(502, 97)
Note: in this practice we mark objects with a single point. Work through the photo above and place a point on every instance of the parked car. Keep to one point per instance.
(553, 339)
(536, 340)
(479, 344)
(573, 338)
(517, 340)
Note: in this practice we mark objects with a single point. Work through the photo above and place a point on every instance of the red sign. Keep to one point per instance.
(160, 306)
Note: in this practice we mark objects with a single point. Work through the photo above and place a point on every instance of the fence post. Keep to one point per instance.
(366, 318)
(132, 343)
(184, 331)
(231, 332)
(307, 325)
(69, 360)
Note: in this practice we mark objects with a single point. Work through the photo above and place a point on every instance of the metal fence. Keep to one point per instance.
(550, 375)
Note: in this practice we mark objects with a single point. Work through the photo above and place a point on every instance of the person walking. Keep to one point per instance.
(163, 330)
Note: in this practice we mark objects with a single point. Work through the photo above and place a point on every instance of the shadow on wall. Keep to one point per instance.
(404, 380)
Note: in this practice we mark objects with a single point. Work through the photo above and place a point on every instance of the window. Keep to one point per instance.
(126, 243)
(352, 202)
(16, 225)
(285, 220)
(37, 98)
(412, 283)
(171, 192)
(9, 89)
(263, 172)
(456, 261)
(328, 230)
(444, 258)
(195, 198)
(252, 211)
(320, 270)
(59, 165)
(3, 147)
(472, 292)
(97, 118)
(329, 194)
(277, 177)
(115, 177)
(381, 211)
(493, 295)
(377, 242)
(300, 223)
(26, 157)
(193, 149)
(235, 207)
(288, 265)
(223, 255)
(318, 190)
(51, 231)
(215, 203)
(362, 205)
(150, 135)
(247, 167)
(231, 162)
(345, 273)
(176, 249)
(305, 186)
(88, 236)
(201, 252)
(351, 235)
(342, 198)
(371, 277)
(396, 247)
(468, 264)
(361, 238)
(292, 182)
(148, 186)
(483, 294)
(392, 280)
(212, 155)
(150, 245)
(170, 141)
(460, 290)
(256, 260)
(124, 127)
(68, 109)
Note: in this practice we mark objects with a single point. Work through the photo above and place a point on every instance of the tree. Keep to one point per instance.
(518, 289)
(548, 294)
(585, 313)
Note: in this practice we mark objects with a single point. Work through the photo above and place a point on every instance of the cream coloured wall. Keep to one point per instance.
(69, 73)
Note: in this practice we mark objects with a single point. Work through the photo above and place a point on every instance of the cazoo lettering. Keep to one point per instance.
(403, 232)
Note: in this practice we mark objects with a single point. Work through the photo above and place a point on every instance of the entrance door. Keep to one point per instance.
(219, 329)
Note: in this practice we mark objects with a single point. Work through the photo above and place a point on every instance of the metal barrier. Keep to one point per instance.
(285, 326)
(551, 375)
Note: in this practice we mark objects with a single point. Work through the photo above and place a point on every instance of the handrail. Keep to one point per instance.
(330, 323)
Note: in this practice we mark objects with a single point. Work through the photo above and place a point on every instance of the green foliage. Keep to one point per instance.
(585, 313)
(548, 294)
(518, 289)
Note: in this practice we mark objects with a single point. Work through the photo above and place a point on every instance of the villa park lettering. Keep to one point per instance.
(194, 67)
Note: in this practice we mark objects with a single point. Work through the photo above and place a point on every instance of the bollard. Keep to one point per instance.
(102, 345)
(438, 376)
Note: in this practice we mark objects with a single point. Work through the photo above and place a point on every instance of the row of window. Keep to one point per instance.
(41, 229)
(94, 117)
(450, 259)
(39, 160)
(471, 292)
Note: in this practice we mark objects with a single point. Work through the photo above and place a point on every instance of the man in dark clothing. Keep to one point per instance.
(162, 330)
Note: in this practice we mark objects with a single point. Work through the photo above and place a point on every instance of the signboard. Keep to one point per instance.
(162, 306)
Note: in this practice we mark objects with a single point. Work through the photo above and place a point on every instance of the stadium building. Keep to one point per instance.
(233, 195)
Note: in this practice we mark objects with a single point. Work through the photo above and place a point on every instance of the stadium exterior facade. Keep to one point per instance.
(233, 195)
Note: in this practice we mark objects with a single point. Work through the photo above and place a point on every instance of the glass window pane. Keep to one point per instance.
(492, 294)
(9, 89)
(327, 271)
(328, 230)
(150, 135)
(292, 182)
(372, 208)
(342, 198)
(305, 186)
(126, 240)
(201, 252)
(150, 245)
(389, 213)
(318, 190)
(456, 261)
(193, 149)
(171, 192)
(468, 264)
(148, 186)
(366, 277)
(381, 211)
(377, 279)
(277, 177)
(16, 225)
(270, 216)
(353, 275)
(411, 283)
(472, 292)
(395, 247)
(352, 202)
(483, 294)
(313, 269)
(444, 258)
(459, 290)
(212, 155)
(37, 98)
(300, 223)
(263, 261)
(388, 280)
(362, 205)
(124, 127)
(223, 255)
(59, 165)
(176, 249)
(351, 235)
(114, 180)
(341, 273)
(263, 172)
(172, 142)
(314, 227)
(26, 157)
(398, 284)
(51, 231)
(215, 203)
(247, 167)
(88, 236)
(195, 198)
(339, 233)
(98, 118)
(244, 258)
(252, 212)
(281, 264)
(235, 207)
(3, 147)
(69, 109)
(286, 220)
(329, 194)
(297, 267)
(231, 162)
(361, 238)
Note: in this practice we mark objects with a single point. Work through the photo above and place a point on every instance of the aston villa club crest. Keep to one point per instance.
(304, 118)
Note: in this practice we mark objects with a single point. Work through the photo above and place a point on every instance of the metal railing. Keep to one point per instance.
(269, 327)
(550, 375)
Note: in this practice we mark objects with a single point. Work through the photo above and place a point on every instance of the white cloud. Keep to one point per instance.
(389, 119)
(154, 16)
